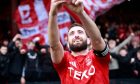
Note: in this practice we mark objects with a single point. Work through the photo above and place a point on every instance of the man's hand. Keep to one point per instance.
(22, 80)
(22, 51)
(55, 5)
(43, 50)
(76, 6)
(16, 37)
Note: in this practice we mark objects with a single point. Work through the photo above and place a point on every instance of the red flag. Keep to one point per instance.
(32, 19)
(95, 8)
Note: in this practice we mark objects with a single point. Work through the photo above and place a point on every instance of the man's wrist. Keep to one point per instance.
(82, 15)
(52, 13)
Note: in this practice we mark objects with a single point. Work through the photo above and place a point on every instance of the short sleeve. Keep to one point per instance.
(63, 63)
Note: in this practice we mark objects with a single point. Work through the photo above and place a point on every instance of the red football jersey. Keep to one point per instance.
(88, 69)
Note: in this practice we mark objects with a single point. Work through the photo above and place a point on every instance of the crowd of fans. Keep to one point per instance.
(19, 63)
(124, 42)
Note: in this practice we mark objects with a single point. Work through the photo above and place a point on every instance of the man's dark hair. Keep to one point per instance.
(3, 46)
(75, 24)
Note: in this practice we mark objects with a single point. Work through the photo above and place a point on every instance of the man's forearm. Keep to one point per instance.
(90, 27)
(92, 30)
(53, 30)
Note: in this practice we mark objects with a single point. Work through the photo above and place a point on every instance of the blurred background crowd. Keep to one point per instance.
(120, 28)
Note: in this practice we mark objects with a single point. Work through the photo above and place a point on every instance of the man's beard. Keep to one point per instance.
(78, 48)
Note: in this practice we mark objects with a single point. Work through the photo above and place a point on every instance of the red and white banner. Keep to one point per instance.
(95, 8)
(32, 17)
(32, 20)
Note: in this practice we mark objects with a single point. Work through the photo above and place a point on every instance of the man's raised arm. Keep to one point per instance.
(89, 25)
(57, 50)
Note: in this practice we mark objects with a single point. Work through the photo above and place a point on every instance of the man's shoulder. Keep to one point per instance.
(67, 53)
(91, 52)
